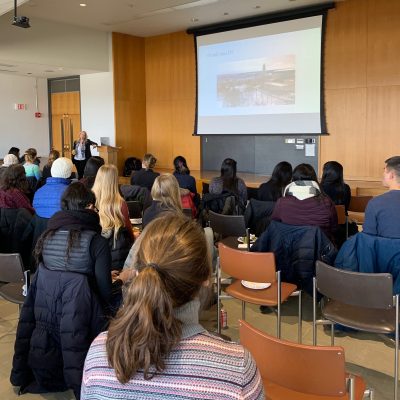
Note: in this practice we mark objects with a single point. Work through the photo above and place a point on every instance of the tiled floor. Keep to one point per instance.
(370, 355)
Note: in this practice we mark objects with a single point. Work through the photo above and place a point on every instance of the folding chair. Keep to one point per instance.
(357, 300)
(254, 267)
(12, 272)
(300, 372)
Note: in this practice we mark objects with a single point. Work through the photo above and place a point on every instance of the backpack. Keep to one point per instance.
(131, 164)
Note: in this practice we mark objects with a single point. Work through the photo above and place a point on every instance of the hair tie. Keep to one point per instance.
(154, 266)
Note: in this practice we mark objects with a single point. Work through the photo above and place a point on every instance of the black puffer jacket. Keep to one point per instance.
(296, 249)
(60, 318)
(13, 236)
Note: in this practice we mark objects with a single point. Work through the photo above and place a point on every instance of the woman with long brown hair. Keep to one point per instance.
(155, 347)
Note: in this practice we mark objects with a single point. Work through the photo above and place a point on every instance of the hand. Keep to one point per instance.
(114, 274)
(127, 274)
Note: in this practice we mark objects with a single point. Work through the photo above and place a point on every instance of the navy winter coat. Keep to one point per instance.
(296, 250)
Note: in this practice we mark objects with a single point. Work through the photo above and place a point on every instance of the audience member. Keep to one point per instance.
(156, 343)
(81, 152)
(90, 171)
(114, 215)
(273, 189)
(382, 215)
(9, 159)
(46, 173)
(63, 310)
(228, 181)
(182, 175)
(146, 176)
(15, 151)
(333, 185)
(31, 164)
(14, 188)
(166, 198)
(303, 203)
(47, 199)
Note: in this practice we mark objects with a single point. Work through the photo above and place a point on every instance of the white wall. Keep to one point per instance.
(21, 128)
(97, 106)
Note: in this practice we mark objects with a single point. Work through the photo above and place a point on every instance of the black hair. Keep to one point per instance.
(393, 164)
(280, 178)
(304, 172)
(77, 197)
(181, 166)
(92, 166)
(15, 151)
(228, 175)
(332, 177)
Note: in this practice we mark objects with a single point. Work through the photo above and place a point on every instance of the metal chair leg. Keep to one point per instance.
(278, 322)
(300, 330)
(314, 327)
(332, 334)
(218, 297)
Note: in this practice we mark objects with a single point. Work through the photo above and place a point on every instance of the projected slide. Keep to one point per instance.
(261, 80)
(258, 82)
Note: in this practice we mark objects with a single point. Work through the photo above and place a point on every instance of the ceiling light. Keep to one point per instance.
(226, 13)
(83, 4)
(257, 7)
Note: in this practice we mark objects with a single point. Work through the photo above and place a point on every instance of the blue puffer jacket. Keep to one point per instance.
(47, 200)
(296, 250)
(371, 254)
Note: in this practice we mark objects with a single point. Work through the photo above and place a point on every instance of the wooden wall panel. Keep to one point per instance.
(346, 45)
(383, 42)
(170, 94)
(129, 96)
(383, 124)
(346, 120)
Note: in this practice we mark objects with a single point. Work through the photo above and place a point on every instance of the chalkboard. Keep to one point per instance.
(257, 154)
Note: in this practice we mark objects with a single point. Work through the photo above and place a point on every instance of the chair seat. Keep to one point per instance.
(264, 297)
(12, 292)
(276, 392)
(365, 319)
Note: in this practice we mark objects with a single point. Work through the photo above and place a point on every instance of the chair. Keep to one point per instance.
(206, 187)
(227, 225)
(135, 209)
(254, 267)
(342, 218)
(300, 372)
(357, 208)
(361, 301)
(12, 272)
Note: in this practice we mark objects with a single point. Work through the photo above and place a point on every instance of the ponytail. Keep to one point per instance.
(143, 333)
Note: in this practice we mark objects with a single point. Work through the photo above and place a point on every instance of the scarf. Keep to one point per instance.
(302, 189)
(75, 220)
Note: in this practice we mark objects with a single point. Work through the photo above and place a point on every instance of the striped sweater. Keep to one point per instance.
(201, 366)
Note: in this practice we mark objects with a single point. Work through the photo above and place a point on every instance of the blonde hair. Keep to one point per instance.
(108, 200)
(149, 160)
(172, 265)
(166, 190)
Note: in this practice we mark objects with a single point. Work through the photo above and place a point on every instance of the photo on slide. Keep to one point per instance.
(257, 82)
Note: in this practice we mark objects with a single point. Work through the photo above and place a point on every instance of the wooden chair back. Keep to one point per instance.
(341, 214)
(253, 267)
(359, 203)
(306, 369)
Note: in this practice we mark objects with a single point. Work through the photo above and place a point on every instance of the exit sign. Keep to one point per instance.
(20, 106)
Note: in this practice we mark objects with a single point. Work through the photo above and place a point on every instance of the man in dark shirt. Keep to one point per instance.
(382, 215)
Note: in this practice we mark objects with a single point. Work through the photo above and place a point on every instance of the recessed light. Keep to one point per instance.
(257, 7)
(83, 4)
(226, 13)
(194, 19)
(29, 73)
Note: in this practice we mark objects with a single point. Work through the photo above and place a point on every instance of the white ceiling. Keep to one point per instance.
(136, 17)
(152, 17)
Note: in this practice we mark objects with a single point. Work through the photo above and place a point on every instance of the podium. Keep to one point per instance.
(109, 154)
